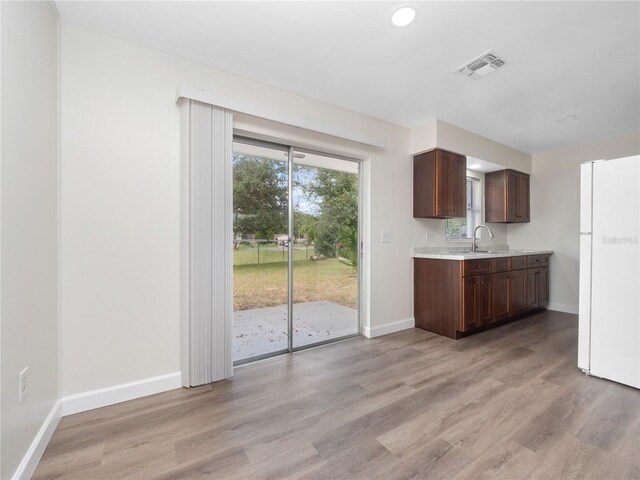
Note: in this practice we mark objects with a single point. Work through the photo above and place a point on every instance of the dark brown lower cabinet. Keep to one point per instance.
(454, 298)
(538, 287)
(517, 292)
(477, 293)
(500, 297)
(532, 288)
(543, 287)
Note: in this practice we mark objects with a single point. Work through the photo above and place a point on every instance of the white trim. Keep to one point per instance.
(364, 294)
(2, 8)
(560, 307)
(242, 106)
(372, 332)
(59, 201)
(81, 402)
(260, 129)
(36, 449)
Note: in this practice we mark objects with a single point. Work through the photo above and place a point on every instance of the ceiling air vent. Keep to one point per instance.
(481, 66)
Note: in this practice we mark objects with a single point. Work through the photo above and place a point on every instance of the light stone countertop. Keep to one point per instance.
(458, 253)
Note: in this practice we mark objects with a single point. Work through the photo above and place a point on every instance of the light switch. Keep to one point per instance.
(385, 237)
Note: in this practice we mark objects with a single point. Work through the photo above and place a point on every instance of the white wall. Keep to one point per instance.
(120, 203)
(28, 222)
(424, 137)
(437, 133)
(457, 139)
(555, 209)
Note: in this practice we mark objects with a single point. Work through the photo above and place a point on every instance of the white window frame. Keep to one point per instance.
(474, 210)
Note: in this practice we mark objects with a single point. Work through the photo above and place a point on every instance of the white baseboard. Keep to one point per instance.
(560, 307)
(102, 397)
(36, 449)
(387, 328)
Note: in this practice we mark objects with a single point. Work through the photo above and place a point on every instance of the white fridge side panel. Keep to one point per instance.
(584, 307)
(584, 312)
(615, 302)
(586, 170)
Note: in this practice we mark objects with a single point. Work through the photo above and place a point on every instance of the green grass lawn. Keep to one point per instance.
(265, 284)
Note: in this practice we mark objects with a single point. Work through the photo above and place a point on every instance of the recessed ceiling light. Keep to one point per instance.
(475, 165)
(403, 16)
(567, 118)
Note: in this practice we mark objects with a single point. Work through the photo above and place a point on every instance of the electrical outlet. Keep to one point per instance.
(22, 387)
(385, 237)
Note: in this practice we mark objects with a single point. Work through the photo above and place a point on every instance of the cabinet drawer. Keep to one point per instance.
(537, 260)
(502, 264)
(477, 267)
(518, 263)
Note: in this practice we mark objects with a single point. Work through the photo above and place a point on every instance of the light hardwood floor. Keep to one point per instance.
(506, 403)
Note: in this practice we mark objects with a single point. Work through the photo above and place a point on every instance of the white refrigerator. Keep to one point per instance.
(609, 310)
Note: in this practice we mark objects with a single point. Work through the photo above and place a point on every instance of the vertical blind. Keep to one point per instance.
(207, 244)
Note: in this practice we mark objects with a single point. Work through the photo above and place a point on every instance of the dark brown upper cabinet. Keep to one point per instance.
(506, 197)
(439, 185)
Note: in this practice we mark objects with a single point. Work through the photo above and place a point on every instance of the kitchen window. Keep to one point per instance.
(462, 228)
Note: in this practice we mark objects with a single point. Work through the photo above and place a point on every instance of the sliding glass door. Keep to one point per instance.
(296, 249)
(326, 249)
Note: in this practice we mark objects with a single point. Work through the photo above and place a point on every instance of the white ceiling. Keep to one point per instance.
(564, 58)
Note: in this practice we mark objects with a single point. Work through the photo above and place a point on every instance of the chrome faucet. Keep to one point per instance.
(474, 245)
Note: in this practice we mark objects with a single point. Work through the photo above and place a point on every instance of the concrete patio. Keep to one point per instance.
(264, 330)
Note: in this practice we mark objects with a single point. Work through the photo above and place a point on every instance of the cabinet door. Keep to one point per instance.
(506, 197)
(439, 185)
(484, 299)
(522, 205)
(500, 296)
(494, 197)
(444, 183)
(512, 196)
(532, 287)
(476, 301)
(543, 287)
(459, 186)
(517, 292)
(451, 184)
(424, 185)
(537, 287)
